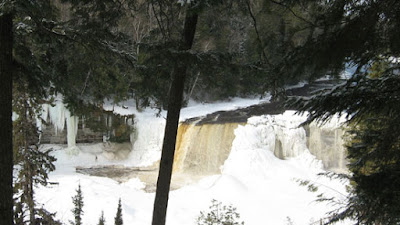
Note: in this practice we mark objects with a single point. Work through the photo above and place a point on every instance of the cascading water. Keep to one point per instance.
(202, 149)
(327, 144)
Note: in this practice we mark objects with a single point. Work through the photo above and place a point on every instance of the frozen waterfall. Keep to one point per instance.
(204, 149)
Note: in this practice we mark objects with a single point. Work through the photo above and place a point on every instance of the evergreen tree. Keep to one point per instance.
(102, 220)
(345, 33)
(33, 163)
(46, 217)
(6, 159)
(118, 217)
(219, 215)
(361, 33)
(77, 200)
(32, 44)
(371, 106)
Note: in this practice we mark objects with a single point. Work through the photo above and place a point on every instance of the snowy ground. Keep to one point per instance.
(261, 186)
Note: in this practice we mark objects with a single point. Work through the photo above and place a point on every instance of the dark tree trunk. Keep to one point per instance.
(171, 127)
(6, 154)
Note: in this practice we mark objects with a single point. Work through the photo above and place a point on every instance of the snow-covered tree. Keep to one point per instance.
(118, 217)
(33, 165)
(102, 220)
(77, 211)
(219, 214)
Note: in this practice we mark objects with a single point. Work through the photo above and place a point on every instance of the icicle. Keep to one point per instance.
(72, 131)
(57, 116)
(83, 123)
(72, 128)
(45, 112)
(109, 121)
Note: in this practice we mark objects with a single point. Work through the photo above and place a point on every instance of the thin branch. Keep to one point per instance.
(293, 13)
(257, 32)
(86, 81)
(158, 21)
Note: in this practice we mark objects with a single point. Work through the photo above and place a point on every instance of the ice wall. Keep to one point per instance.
(147, 141)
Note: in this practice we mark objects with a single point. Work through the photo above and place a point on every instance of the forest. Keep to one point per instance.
(162, 53)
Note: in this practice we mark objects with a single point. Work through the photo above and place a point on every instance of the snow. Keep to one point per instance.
(261, 186)
(193, 109)
(183, 2)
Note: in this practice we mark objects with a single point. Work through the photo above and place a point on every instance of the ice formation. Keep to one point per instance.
(59, 116)
(262, 142)
(72, 131)
(203, 149)
(147, 141)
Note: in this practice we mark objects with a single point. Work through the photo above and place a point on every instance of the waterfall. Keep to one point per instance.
(202, 149)
(327, 144)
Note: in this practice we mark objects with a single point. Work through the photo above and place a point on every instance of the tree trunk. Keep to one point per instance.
(6, 154)
(171, 127)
